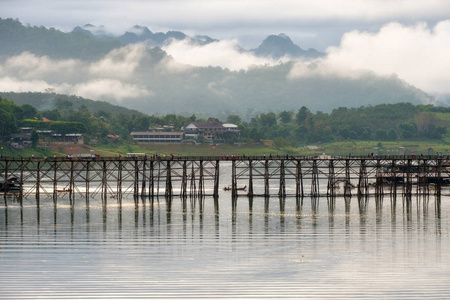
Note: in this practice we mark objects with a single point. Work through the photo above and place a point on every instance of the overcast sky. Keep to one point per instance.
(405, 38)
(311, 24)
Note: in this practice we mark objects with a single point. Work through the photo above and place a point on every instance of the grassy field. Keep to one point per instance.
(337, 148)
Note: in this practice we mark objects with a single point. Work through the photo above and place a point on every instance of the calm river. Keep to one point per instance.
(271, 249)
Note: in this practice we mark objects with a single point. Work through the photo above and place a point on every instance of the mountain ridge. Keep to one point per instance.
(275, 46)
(151, 81)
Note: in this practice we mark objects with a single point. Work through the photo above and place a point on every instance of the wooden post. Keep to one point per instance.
(119, 182)
(136, 178)
(266, 178)
(348, 186)
(299, 179)
(314, 180)
(439, 184)
(21, 184)
(250, 177)
(233, 179)
(361, 181)
(394, 175)
(144, 176)
(5, 183)
(408, 178)
(216, 179)
(151, 180)
(331, 187)
(192, 189)
(379, 180)
(184, 180)
(168, 192)
(104, 184)
(201, 184)
(71, 184)
(55, 183)
(88, 180)
(282, 187)
(38, 182)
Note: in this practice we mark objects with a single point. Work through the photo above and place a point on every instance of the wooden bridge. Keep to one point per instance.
(298, 176)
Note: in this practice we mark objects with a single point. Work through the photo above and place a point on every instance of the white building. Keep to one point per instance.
(157, 137)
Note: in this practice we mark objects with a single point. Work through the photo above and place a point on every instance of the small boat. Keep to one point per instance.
(64, 190)
(12, 185)
(238, 188)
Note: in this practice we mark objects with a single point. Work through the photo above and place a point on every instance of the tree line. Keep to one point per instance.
(385, 122)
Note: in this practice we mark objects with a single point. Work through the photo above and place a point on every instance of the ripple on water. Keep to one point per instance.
(274, 250)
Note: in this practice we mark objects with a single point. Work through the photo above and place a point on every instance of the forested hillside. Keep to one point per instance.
(16, 38)
(50, 101)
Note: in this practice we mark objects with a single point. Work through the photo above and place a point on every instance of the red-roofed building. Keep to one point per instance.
(210, 130)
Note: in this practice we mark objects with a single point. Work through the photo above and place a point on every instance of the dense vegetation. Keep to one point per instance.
(50, 101)
(386, 122)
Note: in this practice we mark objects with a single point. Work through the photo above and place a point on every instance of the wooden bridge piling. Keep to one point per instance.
(282, 184)
(199, 177)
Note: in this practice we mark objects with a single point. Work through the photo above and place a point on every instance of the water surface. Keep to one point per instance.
(267, 248)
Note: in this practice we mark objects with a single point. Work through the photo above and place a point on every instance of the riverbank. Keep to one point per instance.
(336, 148)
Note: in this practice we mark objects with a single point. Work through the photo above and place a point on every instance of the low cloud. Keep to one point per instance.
(30, 67)
(417, 54)
(119, 63)
(225, 54)
(12, 84)
(110, 88)
(114, 77)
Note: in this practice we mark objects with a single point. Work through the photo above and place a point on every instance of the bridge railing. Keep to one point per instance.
(227, 157)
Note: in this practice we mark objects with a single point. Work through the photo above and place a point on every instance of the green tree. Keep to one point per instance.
(285, 117)
(34, 138)
(391, 135)
(268, 120)
(29, 112)
(302, 115)
(234, 119)
(280, 142)
(141, 123)
(408, 130)
(381, 134)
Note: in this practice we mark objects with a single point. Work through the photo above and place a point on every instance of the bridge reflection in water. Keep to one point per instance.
(164, 209)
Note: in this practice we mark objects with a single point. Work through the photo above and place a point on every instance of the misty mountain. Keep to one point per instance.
(141, 34)
(16, 38)
(278, 46)
(151, 81)
(275, 46)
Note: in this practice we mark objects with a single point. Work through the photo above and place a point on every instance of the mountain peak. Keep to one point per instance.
(141, 30)
(284, 36)
(278, 46)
